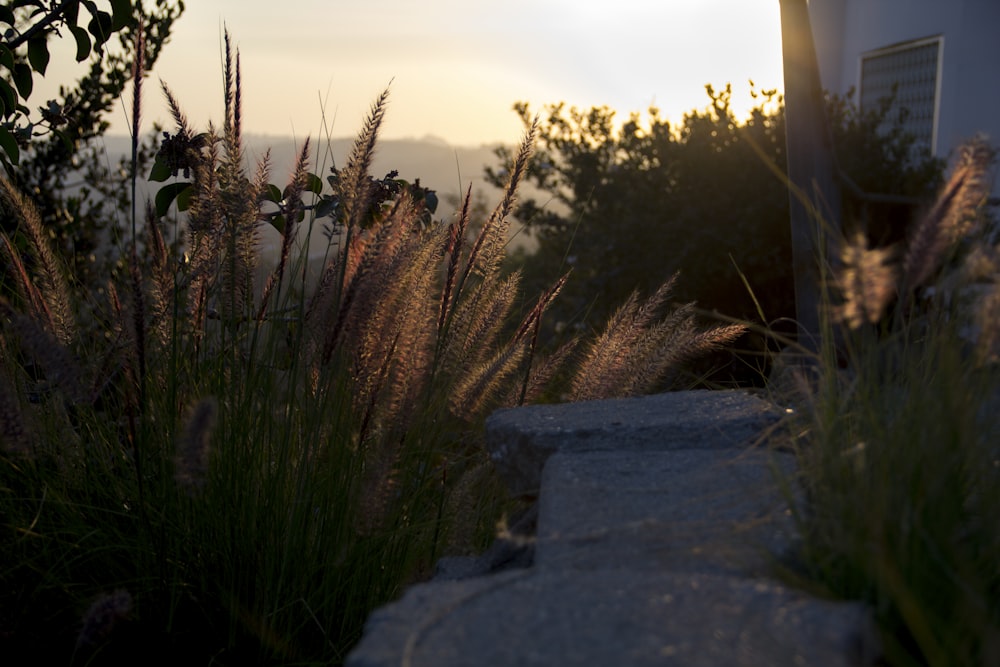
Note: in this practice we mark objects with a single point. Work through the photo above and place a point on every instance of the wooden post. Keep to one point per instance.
(810, 162)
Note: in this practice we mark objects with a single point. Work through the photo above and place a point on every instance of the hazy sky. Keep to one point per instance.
(457, 66)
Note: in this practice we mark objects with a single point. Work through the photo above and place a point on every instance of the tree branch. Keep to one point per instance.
(49, 19)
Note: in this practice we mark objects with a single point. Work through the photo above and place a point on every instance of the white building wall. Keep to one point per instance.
(970, 64)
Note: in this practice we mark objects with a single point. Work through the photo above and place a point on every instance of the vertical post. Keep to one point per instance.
(810, 163)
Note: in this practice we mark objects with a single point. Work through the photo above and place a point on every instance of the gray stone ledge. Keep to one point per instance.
(520, 440)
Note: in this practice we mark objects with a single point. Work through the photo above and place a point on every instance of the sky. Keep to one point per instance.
(454, 68)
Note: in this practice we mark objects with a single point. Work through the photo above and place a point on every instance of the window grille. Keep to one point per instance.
(914, 69)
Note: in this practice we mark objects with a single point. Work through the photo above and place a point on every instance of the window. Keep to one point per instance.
(915, 69)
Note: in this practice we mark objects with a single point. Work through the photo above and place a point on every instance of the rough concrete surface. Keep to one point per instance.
(660, 522)
(520, 440)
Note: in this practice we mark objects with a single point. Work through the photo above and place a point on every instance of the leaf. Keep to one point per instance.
(313, 183)
(100, 27)
(278, 222)
(184, 198)
(431, 200)
(9, 145)
(6, 57)
(22, 79)
(271, 193)
(8, 99)
(7, 15)
(71, 13)
(160, 171)
(327, 206)
(174, 191)
(82, 42)
(121, 11)
(38, 54)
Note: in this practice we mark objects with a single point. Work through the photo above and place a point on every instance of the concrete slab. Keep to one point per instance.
(520, 440)
(657, 526)
(550, 618)
(690, 510)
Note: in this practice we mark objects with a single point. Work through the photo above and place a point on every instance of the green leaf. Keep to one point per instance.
(9, 145)
(71, 13)
(82, 42)
(121, 11)
(38, 54)
(431, 200)
(271, 193)
(278, 222)
(313, 183)
(174, 191)
(7, 15)
(6, 57)
(8, 99)
(326, 207)
(160, 171)
(100, 27)
(184, 198)
(22, 79)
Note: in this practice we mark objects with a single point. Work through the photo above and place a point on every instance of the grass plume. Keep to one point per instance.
(897, 440)
(259, 460)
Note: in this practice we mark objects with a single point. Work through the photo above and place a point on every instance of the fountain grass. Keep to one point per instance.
(898, 431)
(214, 461)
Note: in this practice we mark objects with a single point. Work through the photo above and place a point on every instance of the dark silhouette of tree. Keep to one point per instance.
(625, 206)
(80, 196)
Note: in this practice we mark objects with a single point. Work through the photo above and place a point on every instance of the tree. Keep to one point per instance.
(56, 159)
(629, 205)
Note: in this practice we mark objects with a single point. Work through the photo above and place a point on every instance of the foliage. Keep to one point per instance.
(31, 24)
(897, 435)
(82, 198)
(240, 464)
(628, 206)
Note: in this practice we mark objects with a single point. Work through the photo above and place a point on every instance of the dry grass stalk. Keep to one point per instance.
(950, 219)
(456, 244)
(138, 70)
(31, 296)
(291, 209)
(476, 321)
(488, 251)
(636, 352)
(47, 291)
(60, 368)
(163, 291)
(355, 188)
(867, 282)
(481, 385)
(870, 280)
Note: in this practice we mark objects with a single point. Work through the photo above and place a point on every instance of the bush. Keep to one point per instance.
(627, 206)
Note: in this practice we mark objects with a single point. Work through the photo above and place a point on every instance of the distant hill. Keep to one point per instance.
(447, 169)
(441, 167)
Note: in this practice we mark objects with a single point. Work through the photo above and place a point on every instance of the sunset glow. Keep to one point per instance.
(456, 67)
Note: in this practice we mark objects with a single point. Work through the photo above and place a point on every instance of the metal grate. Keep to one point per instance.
(914, 68)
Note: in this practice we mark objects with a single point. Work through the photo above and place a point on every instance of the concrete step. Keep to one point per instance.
(659, 526)
(710, 511)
